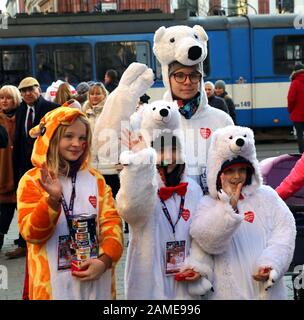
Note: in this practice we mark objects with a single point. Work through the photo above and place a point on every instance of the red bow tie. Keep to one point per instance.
(166, 192)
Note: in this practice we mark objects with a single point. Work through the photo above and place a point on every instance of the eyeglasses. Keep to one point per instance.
(181, 77)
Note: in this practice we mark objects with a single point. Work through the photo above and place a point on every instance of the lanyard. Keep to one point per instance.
(69, 210)
(167, 214)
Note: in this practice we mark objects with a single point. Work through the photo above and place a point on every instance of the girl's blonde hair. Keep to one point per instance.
(63, 93)
(13, 92)
(55, 161)
(98, 87)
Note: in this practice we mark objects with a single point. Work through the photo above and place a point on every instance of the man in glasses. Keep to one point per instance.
(199, 120)
(32, 108)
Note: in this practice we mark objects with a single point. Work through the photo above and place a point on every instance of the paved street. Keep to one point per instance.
(16, 267)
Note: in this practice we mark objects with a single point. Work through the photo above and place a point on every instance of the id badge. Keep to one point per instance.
(64, 253)
(175, 256)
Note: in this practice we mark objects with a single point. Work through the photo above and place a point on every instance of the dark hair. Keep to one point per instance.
(112, 74)
(298, 66)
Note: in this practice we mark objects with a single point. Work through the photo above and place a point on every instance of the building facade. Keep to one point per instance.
(197, 7)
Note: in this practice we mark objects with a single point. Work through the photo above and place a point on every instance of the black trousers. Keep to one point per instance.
(7, 211)
(300, 128)
(113, 181)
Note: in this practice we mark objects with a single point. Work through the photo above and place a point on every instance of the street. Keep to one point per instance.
(16, 267)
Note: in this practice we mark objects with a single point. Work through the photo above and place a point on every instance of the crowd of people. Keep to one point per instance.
(224, 228)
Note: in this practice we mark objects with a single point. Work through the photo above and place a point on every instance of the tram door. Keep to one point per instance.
(242, 87)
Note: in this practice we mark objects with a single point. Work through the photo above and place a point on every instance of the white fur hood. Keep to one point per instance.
(227, 144)
(186, 45)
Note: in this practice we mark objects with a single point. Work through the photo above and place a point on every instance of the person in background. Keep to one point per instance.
(63, 93)
(92, 108)
(82, 92)
(213, 100)
(97, 96)
(32, 108)
(54, 198)
(10, 99)
(111, 80)
(295, 101)
(50, 94)
(3, 137)
(220, 91)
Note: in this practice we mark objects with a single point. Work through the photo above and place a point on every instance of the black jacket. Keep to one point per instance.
(230, 105)
(23, 145)
(218, 103)
(3, 137)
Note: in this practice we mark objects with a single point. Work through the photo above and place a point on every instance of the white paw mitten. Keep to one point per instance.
(223, 196)
(199, 287)
(273, 277)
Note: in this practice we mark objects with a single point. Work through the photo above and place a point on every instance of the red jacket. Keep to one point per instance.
(296, 97)
(293, 182)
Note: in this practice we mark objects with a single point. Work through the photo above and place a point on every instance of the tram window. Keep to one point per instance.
(15, 64)
(119, 55)
(287, 52)
(71, 63)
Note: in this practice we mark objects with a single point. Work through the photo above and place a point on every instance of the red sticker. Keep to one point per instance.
(249, 216)
(93, 201)
(205, 132)
(186, 214)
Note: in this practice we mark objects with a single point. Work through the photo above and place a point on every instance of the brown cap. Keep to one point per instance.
(28, 82)
(175, 65)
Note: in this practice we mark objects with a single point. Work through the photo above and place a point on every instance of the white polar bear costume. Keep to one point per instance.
(188, 46)
(261, 234)
(138, 204)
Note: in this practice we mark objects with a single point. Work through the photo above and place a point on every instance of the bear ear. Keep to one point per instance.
(200, 30)
(159, 33)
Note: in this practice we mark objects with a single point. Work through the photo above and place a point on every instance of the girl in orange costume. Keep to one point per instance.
(60, 153)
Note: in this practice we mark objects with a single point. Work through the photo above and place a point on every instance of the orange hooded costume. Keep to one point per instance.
(41, 226)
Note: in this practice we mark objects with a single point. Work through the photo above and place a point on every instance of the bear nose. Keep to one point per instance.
(164, 112)
(194, 52)
(240, 142)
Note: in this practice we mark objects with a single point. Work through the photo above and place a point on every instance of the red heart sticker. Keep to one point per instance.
(249, 216)
(186, 214)
(205, 132)
(93, 201)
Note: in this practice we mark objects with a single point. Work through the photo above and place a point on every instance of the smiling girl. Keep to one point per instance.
(70, 253)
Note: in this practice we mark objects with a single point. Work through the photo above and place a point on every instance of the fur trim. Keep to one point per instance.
(145, 156)
(46, 128)
(135, 81)
(183, 44)
(214, 231)
(136, 202)
(199, 287)
(226, 144)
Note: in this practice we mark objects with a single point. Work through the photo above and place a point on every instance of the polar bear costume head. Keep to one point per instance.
(231, 145)
(158, 118)
(183, 44)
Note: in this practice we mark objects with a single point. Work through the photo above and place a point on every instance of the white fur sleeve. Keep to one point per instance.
(137, 195)
(281, 243)
(214, 225)
(199, 261)
(119, 106)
